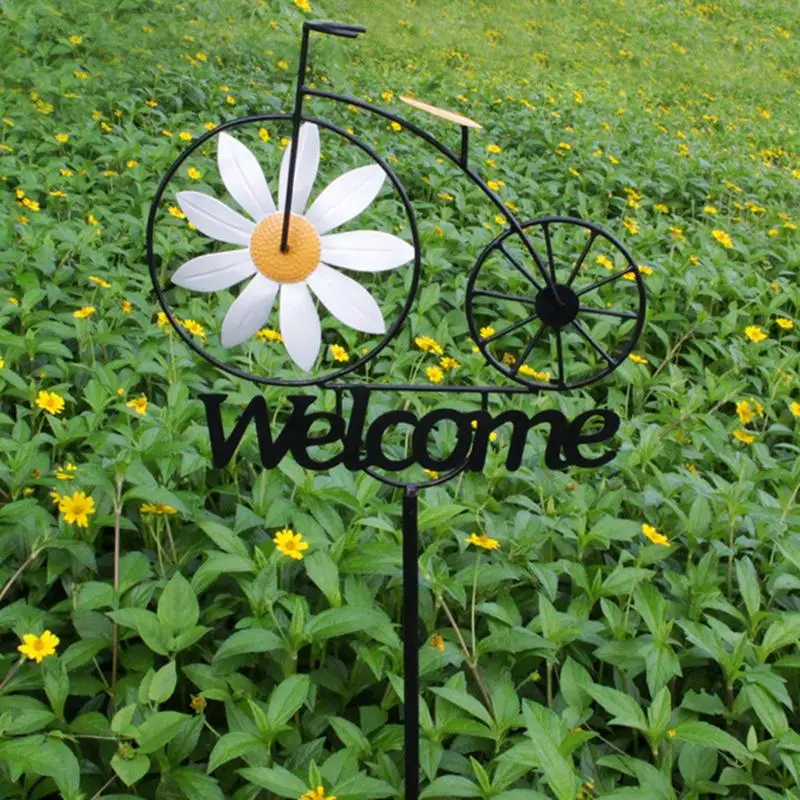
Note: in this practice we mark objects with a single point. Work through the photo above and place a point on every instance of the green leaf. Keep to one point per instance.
(177, 607)
(252, 640)
(232, 745)
(708, 736)
(768, 709)
(466, 702)
(56, 684)
(130, 770)
(747, 578)
(287, 698)
(558, 771)
(623, 708)
(146, 624)
(325, 574)
(42, 755)
(163, 683)
(224, 538)
(195, 785)
(277, 780)
(451, 786)
(347, 620)
(158, 729)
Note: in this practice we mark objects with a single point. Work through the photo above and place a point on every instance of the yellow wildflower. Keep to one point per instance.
(138, 404)
(269, 335)
(754, 333)
(654, 536)
(99, 282)
(794, 407)
(395, 126)
(263, 134)
(784, 323)
(194, 173)
(483, 541)
(37, 648)
(435, 375)
(339, 353)
(50, 402)
(176, 212)
(160, 509)
(630, 225)
(486, 331)
(447, 363)
(605, 262)
(637, 359)
(185, 136)
(429, 345)
(319, 792)
(62, 138)
(437, 642)
(66, 173)
(723, 238)
(126, 306)
(65, 474)
(744, 436)
(77, 508)
(494, 149)
(289, 543)
(530, 372)
(83, 313)
(92, 220)
(194, 327)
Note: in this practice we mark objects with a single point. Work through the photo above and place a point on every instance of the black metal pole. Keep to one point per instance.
(296, 120)
(411, 639)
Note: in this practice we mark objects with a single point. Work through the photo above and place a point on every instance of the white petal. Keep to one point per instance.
(365, 251)
(249, 311)
(305, 169)
(346, 299)
(346, 197)
(243, 178)
(215, 271)
(300, 326)
(215, 219)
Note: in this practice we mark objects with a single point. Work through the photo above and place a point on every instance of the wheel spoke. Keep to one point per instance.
(549, 246)
(560, 357)
(528, 348)
(586, 335)
(503, 296)
(609, 312)
(521, 268)
(509, 329)
(581, 258)
(597, 284)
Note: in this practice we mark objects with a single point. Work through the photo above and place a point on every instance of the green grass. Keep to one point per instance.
(615, 666)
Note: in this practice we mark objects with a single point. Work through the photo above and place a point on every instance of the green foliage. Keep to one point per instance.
(579, 659)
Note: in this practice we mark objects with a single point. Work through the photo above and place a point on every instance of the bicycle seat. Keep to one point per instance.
(442, 113)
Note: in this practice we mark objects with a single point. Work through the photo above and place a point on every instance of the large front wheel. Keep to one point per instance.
(564, 319)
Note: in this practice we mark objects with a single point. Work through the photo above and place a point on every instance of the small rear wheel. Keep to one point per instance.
(562, 318)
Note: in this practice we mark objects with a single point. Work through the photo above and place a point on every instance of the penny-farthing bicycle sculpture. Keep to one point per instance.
(553, 304)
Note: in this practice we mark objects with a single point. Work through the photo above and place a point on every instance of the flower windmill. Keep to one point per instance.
(292, 256)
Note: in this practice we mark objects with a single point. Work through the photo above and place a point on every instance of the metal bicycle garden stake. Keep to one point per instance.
(287, 253)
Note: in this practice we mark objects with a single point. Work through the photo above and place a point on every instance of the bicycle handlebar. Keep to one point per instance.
(335, 28)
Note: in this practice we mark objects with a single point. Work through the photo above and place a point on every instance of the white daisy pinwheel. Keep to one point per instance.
(313, 254)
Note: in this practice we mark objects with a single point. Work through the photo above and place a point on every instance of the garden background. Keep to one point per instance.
(634, 633)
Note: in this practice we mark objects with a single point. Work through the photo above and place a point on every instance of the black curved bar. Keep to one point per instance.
(451, 156)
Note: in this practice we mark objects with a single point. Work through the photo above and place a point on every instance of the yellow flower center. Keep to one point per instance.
(298, 262)
(38, 644)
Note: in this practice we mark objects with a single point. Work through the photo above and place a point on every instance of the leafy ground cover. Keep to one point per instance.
(627, 632)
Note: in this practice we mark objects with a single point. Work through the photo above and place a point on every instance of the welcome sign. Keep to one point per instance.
(301, 255)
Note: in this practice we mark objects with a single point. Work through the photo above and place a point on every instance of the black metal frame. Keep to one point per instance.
(522, 386)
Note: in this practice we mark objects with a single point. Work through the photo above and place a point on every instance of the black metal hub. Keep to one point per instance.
(557, 313)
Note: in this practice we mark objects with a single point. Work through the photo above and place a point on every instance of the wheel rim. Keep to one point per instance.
(536, 319)
(161, 293)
